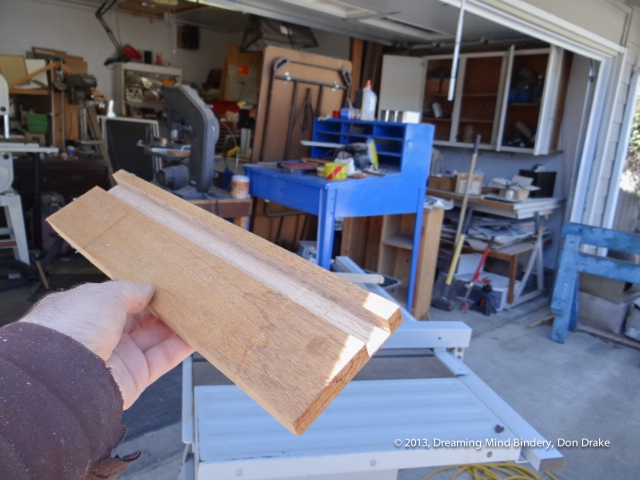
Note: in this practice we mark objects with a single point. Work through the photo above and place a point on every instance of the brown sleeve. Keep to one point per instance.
(60, 408)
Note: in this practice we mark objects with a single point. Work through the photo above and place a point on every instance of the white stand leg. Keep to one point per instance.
(15, 221)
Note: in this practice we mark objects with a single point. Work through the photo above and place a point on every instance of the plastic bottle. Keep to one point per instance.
(369, 101)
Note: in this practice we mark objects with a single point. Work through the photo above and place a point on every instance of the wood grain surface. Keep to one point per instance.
(275, 105)
(286, 331)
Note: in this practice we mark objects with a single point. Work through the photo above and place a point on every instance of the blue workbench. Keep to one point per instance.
(404, 151)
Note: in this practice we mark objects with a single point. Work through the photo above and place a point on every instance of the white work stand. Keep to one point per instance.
(230, 436)
(10, 200)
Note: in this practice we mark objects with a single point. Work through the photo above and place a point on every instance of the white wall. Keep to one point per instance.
(74, 29)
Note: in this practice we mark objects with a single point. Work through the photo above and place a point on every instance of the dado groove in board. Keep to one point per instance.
(287, 332)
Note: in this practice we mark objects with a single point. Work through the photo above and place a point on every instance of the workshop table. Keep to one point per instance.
(389, 195)
(529, 208)
(223, 205)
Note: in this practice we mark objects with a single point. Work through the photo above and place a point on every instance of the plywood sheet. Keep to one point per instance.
(12, 67)
(287, 332)
(276, 102)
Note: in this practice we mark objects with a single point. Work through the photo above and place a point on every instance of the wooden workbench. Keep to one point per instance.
(226, 207)
(525, 209)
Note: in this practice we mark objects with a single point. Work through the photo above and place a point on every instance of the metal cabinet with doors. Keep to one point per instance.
(488, 100)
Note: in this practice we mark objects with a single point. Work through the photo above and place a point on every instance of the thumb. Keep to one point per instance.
(134, 297)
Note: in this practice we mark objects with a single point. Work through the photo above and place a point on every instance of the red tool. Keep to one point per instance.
(464, 305)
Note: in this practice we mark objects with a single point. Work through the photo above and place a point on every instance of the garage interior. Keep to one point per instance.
(489, 127)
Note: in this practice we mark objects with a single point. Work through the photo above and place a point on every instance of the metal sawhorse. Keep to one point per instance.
(572, 261)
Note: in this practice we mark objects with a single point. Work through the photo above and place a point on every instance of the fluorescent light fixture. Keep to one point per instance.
(397, 26)
(331, 7)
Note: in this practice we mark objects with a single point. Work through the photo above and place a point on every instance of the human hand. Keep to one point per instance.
(112, 321)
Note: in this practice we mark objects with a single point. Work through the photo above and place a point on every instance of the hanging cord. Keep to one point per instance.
(492, 471)
(211, 209)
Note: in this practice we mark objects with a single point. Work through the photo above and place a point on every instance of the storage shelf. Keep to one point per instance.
(400, 241)
(434, 119)
(475, 120)
(479, 95)
(523, 104)
(359, 135)
(393, 154)
(395, 139)
(28, 91)
(153, 105)
(337, 134)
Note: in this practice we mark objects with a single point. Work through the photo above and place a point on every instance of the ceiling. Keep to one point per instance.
(399, 22)
(385, 21)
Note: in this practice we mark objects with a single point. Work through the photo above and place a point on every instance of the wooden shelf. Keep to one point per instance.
(29, 91)
(400, 241)
(494, 94)
(152, 105)
(475, 120)
(485, 85)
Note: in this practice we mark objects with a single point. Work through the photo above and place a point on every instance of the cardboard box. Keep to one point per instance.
(546, 181)
(602, 314)
(521, 194)
(632, 330)
(615, 291)
(518, 188)
(39, 138)
(439, 182)
(476, 183)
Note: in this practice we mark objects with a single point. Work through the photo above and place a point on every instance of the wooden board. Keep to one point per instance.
(287, 332)
(285, 231)
(12, 67)
(277, 98)
(429, 244)
(361, 240)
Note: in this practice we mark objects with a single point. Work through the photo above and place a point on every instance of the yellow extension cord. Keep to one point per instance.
(492, 471)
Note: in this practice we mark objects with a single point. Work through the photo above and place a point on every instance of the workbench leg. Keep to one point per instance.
(326, 227)
(513, 275)
(415, 253)
(242, 222)
(540, 267)
(573, 313)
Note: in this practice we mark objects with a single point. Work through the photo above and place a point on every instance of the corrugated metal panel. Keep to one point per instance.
(364, 420)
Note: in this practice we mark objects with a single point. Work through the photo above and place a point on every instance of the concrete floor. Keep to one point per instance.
(586, 388)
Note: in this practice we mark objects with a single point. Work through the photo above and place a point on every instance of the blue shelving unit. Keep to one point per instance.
(404, 151)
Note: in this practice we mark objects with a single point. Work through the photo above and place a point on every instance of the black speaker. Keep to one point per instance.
(188, 37)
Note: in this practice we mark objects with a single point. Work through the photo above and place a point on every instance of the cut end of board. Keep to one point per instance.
(287, 332)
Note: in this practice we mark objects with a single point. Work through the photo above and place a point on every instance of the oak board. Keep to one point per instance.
(286, 331)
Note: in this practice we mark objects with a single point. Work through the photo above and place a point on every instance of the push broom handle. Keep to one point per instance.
(465, 198)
